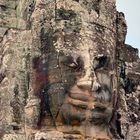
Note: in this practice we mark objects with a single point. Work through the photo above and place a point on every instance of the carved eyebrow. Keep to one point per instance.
(100, 61)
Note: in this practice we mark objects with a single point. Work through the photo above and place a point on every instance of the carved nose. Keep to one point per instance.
(85, 82)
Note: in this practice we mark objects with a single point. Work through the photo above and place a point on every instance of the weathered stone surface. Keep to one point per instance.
(13, 137)
(66, 72)
(53, 135)
(129, 79)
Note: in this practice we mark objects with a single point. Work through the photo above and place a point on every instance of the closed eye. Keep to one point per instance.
(99, 62)
(74, 64)
(68, 61)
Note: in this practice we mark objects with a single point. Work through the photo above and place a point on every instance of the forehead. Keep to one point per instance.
(92, 39)
(77, 29)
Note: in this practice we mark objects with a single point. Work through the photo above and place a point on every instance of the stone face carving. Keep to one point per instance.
(85, 104)
(76, 97)
(65, 72)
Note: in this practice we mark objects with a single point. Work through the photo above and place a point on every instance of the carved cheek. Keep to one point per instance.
(104, 94)
(104, 79)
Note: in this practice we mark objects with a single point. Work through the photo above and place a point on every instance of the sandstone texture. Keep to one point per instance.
(66, 72)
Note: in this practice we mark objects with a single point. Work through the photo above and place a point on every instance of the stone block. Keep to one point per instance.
(2, 31)
(8, 3)
(8, 12)
(12, 22)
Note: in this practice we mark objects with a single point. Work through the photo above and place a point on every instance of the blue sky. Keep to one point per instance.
(131, 9)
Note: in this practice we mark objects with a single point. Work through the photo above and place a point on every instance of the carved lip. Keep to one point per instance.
(79, 96)
(101, 111)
